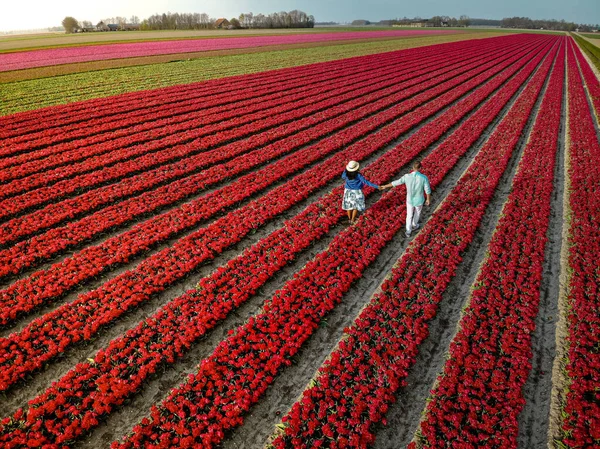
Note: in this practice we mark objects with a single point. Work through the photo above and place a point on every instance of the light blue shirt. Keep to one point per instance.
(416, 184)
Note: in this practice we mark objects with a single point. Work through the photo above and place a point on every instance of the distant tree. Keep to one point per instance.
(177, 21)
(464, 21)
(246, 19)
(70, 24)
(485, 22)
(436, 21)
(190, 21)
(134, 19)
(292, 19)
(86, 24)
(527, 23)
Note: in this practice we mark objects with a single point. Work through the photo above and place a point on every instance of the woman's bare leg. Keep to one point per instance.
(354, 214)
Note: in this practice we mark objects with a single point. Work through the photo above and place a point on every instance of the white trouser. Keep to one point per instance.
(413, 214)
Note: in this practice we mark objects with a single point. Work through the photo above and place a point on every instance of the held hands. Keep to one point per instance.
(385, 187)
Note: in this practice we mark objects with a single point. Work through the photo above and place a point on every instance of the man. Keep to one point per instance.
(416, 184)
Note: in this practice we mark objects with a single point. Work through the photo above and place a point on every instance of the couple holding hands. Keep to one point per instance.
(416, 184)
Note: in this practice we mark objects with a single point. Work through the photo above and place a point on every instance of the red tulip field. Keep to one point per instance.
(176, 269)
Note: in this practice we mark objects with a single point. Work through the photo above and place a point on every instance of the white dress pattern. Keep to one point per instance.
(353, 200)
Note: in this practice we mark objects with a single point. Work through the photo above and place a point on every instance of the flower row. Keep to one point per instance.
(35, 94)
(165, 336)
(177, 147)
(154, 142)
(82, 318)
(107, 143)
(187, 98)
(101, 142)
(489, 358)
(355, 387)
(25, 253)
(79, 113)
(134, 103)
(581, 413)
(240, 369)
(166, 160)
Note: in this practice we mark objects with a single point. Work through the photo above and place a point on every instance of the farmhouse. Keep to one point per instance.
(222, 24)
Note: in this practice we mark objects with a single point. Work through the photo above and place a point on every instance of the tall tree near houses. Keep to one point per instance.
(70, 24)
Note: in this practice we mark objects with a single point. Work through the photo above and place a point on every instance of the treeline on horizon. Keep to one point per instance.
(196, 21)
(464, 21)
(555, 25)
(299, 19)
(177, 21)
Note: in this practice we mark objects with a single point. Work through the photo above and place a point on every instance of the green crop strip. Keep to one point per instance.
(589, 49)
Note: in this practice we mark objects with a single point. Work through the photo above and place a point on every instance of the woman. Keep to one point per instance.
(354, 199)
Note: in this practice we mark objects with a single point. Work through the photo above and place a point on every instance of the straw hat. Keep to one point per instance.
(352, 166)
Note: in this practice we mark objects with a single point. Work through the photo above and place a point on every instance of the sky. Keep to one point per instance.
(35, 14)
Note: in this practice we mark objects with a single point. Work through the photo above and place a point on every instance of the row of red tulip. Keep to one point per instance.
(355, 387)
(73, 143)
(219, 127)
(25, 225)
(50, 335)
(241, 368)
(137, 102)
(489, 358)
(106, 143)
(128, 103)
(102, 141)
(165, 336)
(183, 101)
(581, 412)
(134, 104)
(39, 248)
